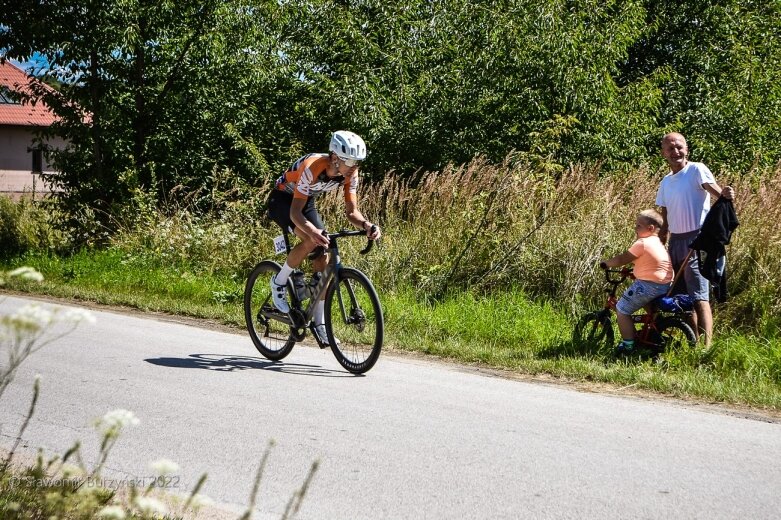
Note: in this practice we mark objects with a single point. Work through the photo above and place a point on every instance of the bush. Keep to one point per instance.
(23, 227)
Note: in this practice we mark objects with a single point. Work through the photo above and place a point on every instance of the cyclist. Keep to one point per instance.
(653, 274)
(291, 205)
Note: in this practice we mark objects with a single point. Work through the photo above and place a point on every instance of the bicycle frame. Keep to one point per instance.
(299, 318)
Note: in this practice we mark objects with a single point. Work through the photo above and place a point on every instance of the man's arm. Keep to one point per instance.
(714, 189)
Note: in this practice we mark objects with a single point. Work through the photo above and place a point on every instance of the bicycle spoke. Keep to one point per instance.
(355, 320)
(271, 337)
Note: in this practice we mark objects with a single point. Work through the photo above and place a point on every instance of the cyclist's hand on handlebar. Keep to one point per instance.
(373, 232)
(320, 238)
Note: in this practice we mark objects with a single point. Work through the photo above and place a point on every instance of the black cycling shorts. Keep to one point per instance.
(279, 203)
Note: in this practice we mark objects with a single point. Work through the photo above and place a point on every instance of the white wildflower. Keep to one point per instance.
(164, 467)
(116, 420)
(32, 317)
(71, 470)
(112, 513)
(26, 273)
(150, 506)
(77, 315)
(198, 501)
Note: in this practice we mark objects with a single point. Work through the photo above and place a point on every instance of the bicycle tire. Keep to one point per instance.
(354, 321)
(273, 339)
(675, 334)
(595, 332)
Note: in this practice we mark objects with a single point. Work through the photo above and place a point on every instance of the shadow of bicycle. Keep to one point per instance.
(220, 363)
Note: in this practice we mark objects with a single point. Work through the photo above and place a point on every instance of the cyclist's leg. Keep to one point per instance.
(279, 211)
(629, 303)
(638, 295)
(318, 265)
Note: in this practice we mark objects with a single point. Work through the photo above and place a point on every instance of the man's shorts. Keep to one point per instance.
(697, 285)
(279, 203)
(640, 293)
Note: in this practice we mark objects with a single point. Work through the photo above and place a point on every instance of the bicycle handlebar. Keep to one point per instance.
(624, 272)
(353, 233)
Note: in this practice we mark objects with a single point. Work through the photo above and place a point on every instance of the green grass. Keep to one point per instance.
(502, 330)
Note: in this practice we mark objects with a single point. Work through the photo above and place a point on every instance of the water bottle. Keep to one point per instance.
(299, 285)
(313, 283)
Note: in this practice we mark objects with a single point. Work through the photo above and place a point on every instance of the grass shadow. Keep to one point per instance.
(584, 349)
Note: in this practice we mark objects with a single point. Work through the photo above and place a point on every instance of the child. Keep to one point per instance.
(653, 274)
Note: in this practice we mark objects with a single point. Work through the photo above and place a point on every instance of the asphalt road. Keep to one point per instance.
(410, 439)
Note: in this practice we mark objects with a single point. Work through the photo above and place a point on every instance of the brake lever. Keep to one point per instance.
(369, 243)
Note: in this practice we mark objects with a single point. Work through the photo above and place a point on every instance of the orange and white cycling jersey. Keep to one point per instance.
(307, 178)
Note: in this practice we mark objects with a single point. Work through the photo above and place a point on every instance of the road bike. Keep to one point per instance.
(353, 314)
(663, 327)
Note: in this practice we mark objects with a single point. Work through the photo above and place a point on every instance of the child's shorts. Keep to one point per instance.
(640, 293)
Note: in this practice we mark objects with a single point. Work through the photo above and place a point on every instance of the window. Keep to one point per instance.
(7, 97)
(37, 160)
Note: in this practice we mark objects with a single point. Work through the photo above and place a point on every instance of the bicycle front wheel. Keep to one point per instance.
(354, 321)
(273, 338)
(675, 335)
(594, 331)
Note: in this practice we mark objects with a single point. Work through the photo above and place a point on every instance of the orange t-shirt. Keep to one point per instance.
(653, 262)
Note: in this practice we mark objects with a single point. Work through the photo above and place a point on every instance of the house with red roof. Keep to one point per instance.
(23, 165)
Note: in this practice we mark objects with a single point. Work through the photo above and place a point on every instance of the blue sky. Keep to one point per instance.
(34, 65)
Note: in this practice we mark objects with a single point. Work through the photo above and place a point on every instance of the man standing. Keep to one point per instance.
(684, 200)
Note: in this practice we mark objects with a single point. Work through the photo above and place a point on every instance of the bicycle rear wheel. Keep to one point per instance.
(594, 332)
(354, 321)
(675, 335)
(273, 338)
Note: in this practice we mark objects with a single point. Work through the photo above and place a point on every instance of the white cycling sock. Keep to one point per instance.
(319, 314)
(283, 274)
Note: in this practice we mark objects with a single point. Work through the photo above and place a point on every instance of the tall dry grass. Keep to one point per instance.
(482, 227)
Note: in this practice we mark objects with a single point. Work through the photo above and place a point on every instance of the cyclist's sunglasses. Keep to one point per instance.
(351, 162)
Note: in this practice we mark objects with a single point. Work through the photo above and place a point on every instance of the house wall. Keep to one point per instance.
(16, 161)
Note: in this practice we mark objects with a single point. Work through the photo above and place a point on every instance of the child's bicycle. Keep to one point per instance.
(664, 328)
(353, 315)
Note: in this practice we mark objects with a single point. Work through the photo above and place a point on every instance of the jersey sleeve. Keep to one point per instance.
(351, 187)
(303, 185)
(638, 248)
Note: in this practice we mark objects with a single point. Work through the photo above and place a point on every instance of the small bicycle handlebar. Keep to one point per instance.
(624, 273)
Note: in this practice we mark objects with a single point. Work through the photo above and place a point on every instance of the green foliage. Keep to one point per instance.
(154, 94)
(25, 226)
(722, 61)
(160, 95)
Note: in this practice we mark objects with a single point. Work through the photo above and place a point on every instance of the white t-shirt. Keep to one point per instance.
(686, 200)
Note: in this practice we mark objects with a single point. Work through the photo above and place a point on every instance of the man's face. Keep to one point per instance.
(675, 151)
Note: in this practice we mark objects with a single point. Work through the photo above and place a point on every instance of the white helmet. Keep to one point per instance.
(348, 146)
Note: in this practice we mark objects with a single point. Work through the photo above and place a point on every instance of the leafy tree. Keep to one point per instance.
(152, 94)
(176, 97)
(718, 64)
